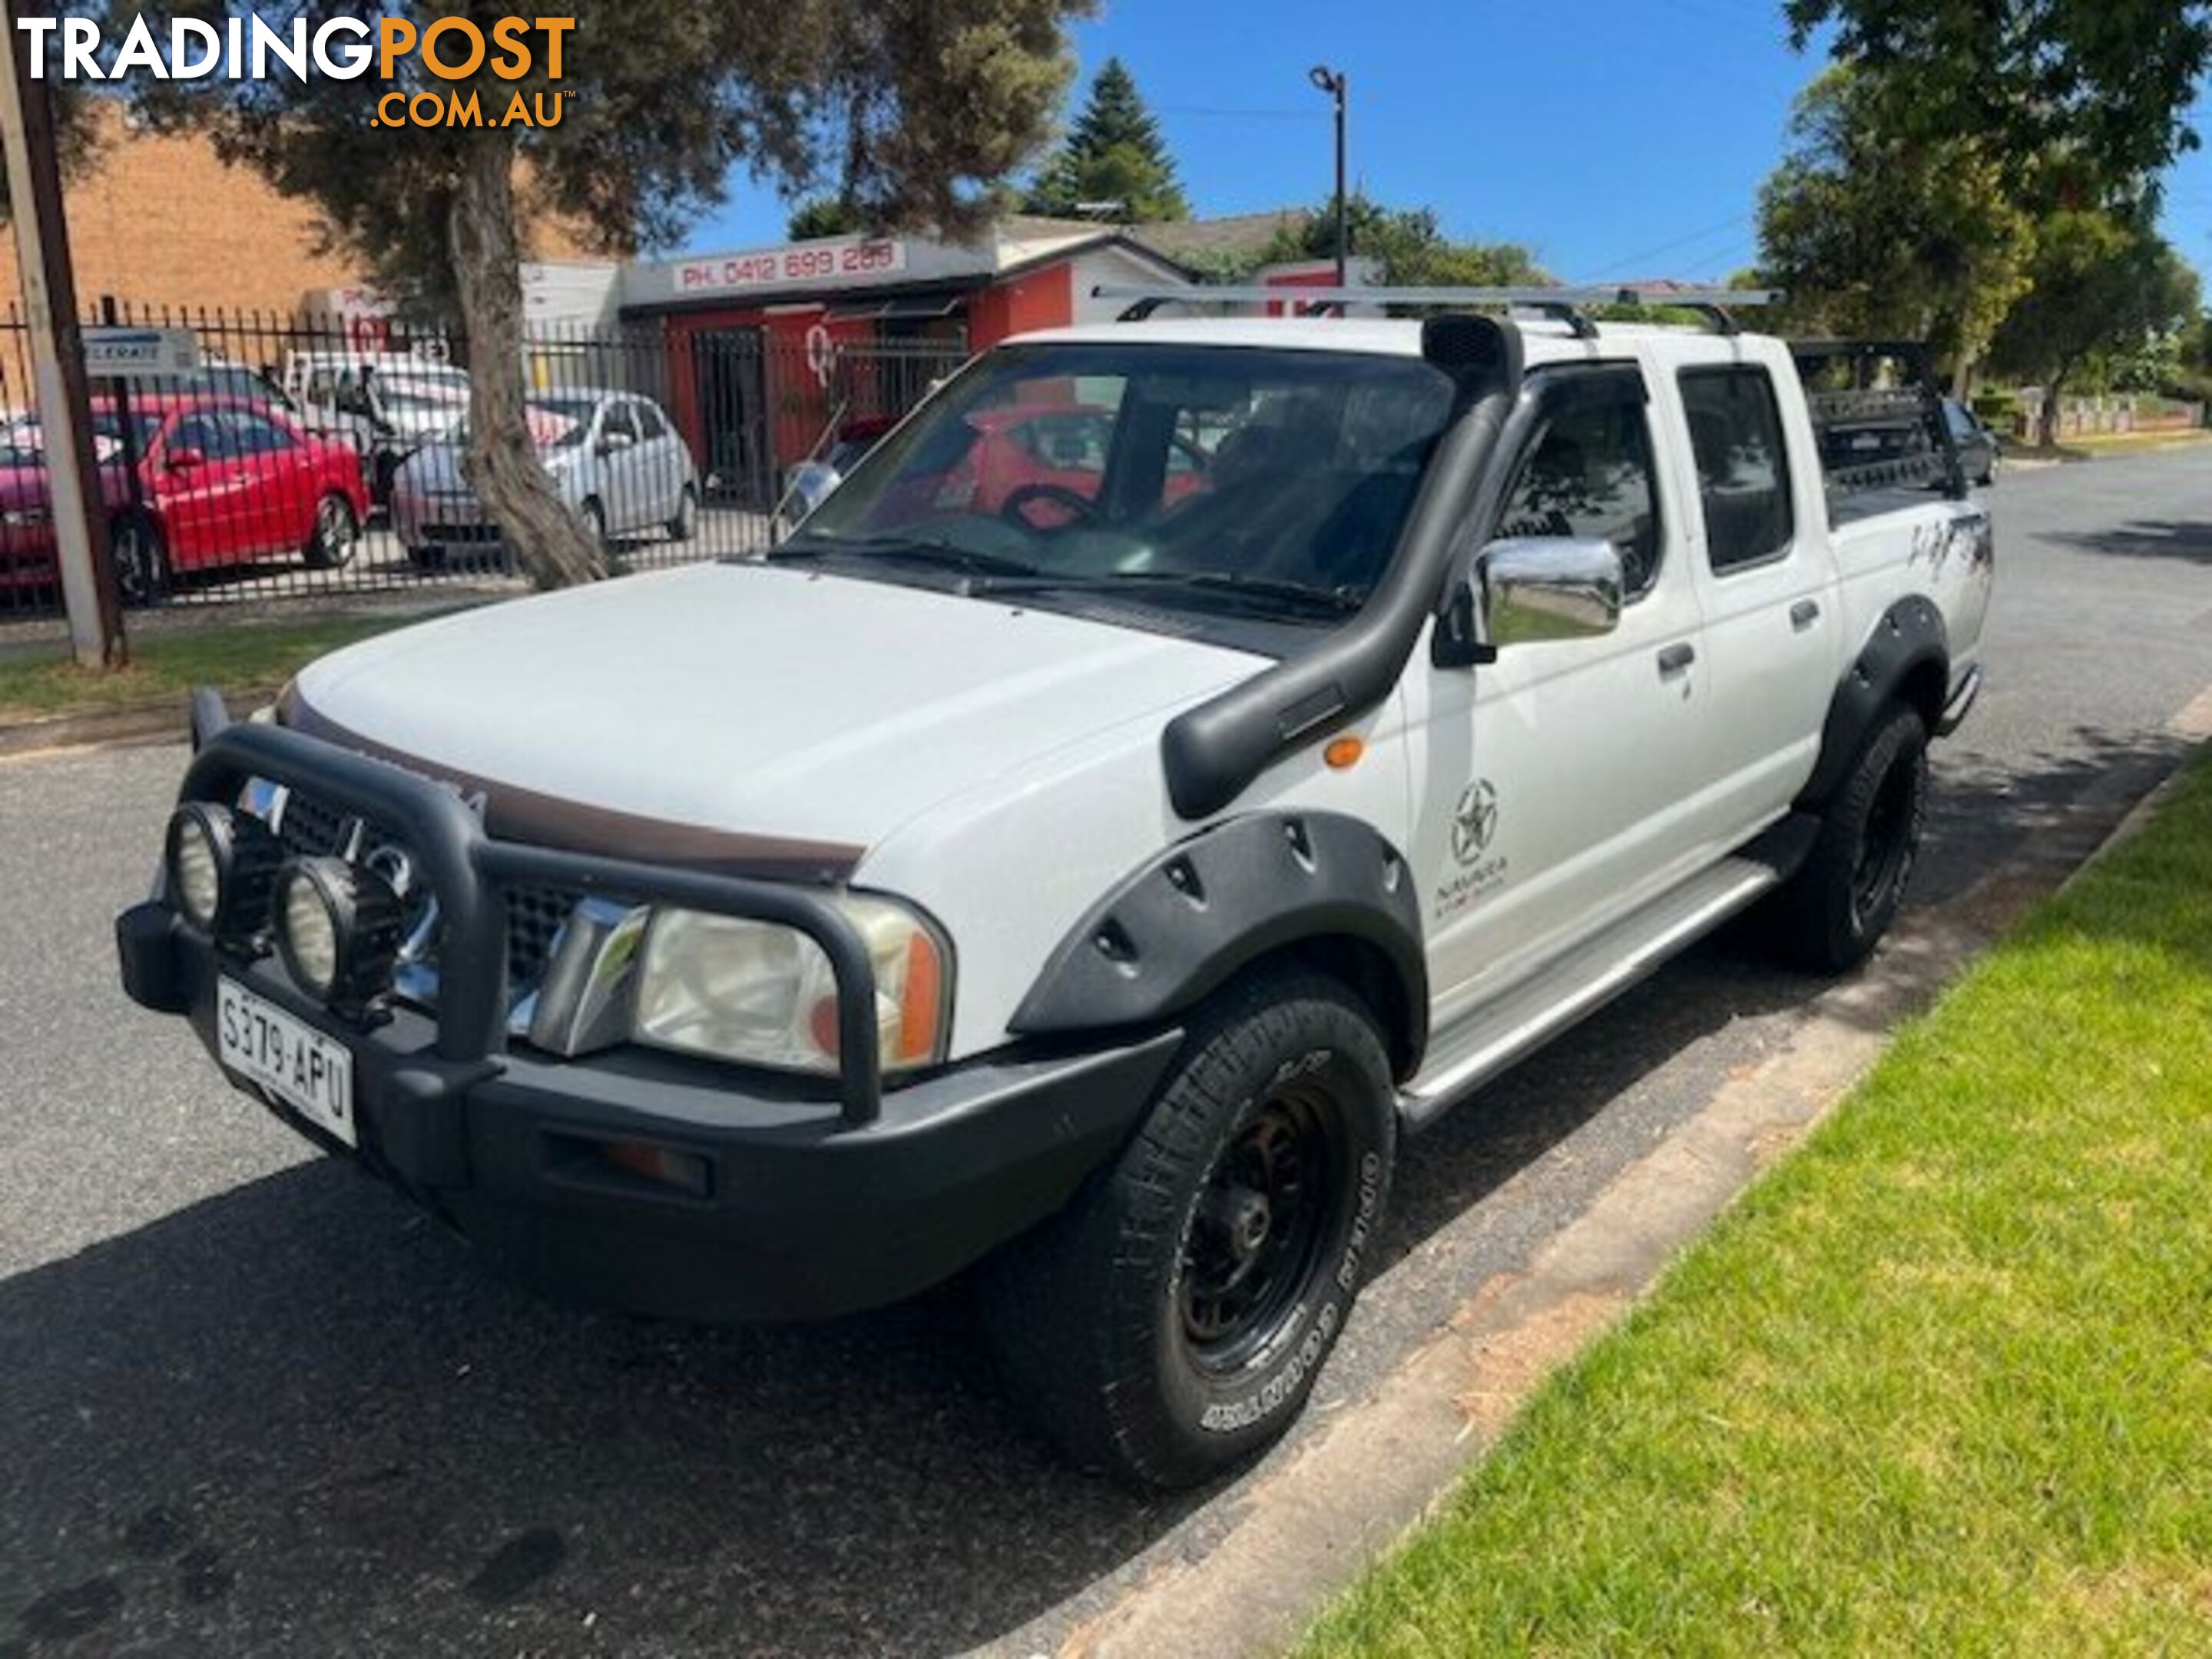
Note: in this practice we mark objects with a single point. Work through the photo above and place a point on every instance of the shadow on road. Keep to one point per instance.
(298, 1418)
(2145, 538)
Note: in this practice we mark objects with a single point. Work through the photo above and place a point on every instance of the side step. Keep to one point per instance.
(1585, 979)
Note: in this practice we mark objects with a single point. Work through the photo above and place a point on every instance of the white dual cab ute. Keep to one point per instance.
(1087, 868)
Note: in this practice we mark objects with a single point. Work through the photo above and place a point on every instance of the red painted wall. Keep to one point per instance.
(1043, 299)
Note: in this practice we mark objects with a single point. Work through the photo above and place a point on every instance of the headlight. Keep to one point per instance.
(764, 995)
(25, 518)
(221, 865)
(338, 929)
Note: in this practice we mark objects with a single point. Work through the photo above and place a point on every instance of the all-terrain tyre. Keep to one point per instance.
(1170, 1323)
(1834, 911)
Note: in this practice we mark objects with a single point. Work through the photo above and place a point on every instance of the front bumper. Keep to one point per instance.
(814, 1203)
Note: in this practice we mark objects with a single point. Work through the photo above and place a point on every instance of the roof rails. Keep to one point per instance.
(1567, 305)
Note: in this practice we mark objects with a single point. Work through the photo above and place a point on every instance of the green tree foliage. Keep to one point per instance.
(2102, 283)
(1870, 228)
(918, 108)
(78, 133)
(1411, 244)
(1115, 153)
(2107, 82)
(824, 216)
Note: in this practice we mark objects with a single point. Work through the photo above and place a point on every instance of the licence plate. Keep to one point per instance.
(308, 1071)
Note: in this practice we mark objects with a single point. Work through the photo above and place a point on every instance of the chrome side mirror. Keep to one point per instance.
(1528, 591)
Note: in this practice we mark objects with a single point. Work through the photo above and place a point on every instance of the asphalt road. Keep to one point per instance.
(253, 1404)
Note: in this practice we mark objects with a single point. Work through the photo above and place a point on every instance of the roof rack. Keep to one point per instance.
(1567, 305)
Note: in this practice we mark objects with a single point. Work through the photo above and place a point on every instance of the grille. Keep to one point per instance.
(312, 828)
(534, 915)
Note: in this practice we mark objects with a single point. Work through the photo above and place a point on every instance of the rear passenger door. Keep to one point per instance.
(1549, 785)
(1765, 586)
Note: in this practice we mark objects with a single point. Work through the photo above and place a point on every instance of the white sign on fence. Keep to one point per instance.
(113, 352)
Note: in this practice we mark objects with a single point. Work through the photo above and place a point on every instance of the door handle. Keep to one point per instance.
(1804, 614)
(1676, 659)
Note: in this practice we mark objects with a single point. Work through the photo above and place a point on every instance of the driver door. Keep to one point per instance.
(1549, 785)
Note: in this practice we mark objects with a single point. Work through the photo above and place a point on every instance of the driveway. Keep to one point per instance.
(254, 1403)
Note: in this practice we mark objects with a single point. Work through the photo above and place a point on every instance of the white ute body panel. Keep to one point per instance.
(1001, 766)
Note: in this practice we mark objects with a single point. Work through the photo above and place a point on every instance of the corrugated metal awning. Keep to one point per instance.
(920, 307)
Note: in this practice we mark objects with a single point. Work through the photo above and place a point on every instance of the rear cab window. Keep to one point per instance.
(1743, 466)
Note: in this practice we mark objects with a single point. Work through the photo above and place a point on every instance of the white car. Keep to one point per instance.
(1088, 875)
(614, 456)
(394, 400)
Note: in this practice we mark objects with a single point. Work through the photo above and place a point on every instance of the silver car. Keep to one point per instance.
(615, 456)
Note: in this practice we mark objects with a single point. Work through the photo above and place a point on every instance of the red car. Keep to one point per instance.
(1018, 458)
(220, 481)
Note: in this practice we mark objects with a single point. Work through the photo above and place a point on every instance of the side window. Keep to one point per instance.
(1743, 472)
(650, 426)
(257, 435)
(616, 422)
(1589, 476)
(206, 433)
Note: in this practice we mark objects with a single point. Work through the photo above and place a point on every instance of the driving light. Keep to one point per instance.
(221, 865)
(338, 929)
(765, 995)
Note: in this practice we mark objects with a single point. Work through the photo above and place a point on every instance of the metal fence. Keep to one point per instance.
(318, 455)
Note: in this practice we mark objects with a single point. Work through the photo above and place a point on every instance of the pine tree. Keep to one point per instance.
(1115, 153)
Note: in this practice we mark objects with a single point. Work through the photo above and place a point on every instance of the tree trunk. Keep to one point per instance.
(2050, 421)
(549, 541)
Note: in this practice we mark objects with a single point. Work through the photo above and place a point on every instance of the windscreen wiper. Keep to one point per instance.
(1260, 591)
(903, 550)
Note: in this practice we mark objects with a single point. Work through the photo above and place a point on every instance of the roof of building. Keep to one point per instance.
(1244, 235)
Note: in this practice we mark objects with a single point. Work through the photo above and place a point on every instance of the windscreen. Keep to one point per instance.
(1100, 462)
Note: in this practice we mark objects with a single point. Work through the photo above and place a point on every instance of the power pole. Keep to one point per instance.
(35, 195)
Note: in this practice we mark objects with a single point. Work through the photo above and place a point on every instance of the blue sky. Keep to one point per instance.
(1619, 138)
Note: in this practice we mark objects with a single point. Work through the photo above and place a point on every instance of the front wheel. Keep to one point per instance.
(1170, 1323)
(337, 533)
(1835, 911)
(685, 524)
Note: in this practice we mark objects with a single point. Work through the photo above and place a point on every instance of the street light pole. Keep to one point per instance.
(1337, 85)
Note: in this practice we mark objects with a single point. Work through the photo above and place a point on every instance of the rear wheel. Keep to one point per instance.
(595, 523)
(337, 535)
(142, 560)
(1170, 1323)
(1835, 911)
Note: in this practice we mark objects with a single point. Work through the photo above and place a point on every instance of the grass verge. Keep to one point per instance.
(169, 665)
(2120, 443)
(1939, 1385)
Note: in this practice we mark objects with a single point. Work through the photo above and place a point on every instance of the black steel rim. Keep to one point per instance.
(1886, 846)
(1261, 1225)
